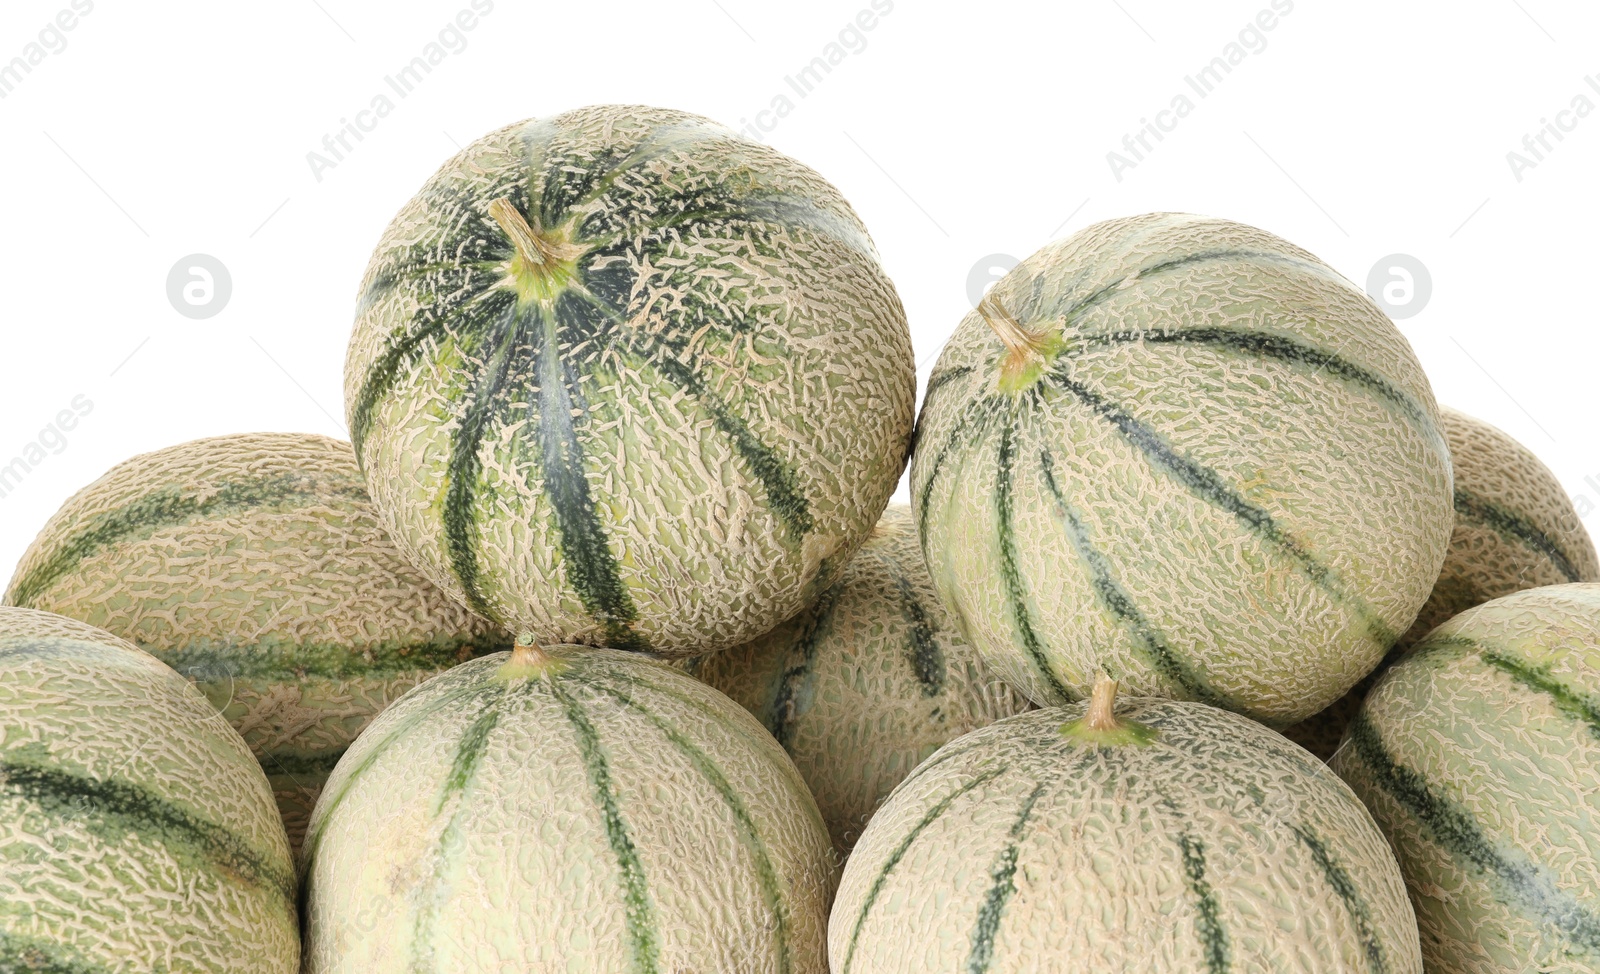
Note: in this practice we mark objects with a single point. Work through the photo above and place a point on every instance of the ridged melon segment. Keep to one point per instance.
(867, 683)
(137, 832)
(254, 565)
(1515, 529)
(1479, 755)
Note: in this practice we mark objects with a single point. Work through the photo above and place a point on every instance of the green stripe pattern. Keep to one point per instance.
(1219, 804)
(170, 507)
(111, 809)
(1004, 876)
(1471, 508)
(1454, 747)
(576, 696)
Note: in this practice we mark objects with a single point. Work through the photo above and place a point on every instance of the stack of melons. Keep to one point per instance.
(599, 647)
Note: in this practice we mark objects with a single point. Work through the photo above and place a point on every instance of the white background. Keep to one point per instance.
(1359, 130)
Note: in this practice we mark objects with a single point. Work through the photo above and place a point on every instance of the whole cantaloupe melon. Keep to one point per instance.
(623, 377)
(570, 809)
(1158, 837)
(1479, 755)
(1515, 529)
(1187, 453)
(254, 565)
(137, 832)
(867, 683)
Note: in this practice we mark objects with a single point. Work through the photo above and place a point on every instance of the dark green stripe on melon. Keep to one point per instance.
(1003, 877)
(376, 749)
(469, 751)
(979, 411)
(463, 769)
(1338, 880)
(937, 381)
(1188, 260)
(272, 659)
(1509, 524)
(1280, 348)
(1205, 484)
(1011, 574)
(1522, 884)
(1120, 604)
(798, 673)
(405, 352)
(295, 764)
(922, 643)
(749, 835)
(638, 908)
(112, 809)
(591, 568)
(505, 344)
(1574, 703)
(1208, 919)
(933, 814)
(777, 478)
(173, 506)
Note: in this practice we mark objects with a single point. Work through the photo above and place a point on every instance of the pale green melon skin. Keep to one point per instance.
(90, 881)
(1498, 482)
(293, 612)
(514, 869)
(795, 331)
(1488, 784)
(864, 686)
(1114, 561)
(1019, 849)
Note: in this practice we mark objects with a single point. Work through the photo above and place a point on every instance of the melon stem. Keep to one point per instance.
(527, 652)
(1018, 339)
(1102, 706)
(530, 248)
(1100, 727)
(1027, 351)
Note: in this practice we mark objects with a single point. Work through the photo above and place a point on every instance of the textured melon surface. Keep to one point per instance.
(1199, 460)
(622, 377)
(254, 565)
(1515, 529)
(1515, 526)
(1216, 847)
(593, 812)
(867, 683)
(137, 833)
(1479, 755)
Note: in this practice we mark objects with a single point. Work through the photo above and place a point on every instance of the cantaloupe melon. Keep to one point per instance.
(867, 683)
(1158, 837)
(623, 377)
(254, 565)
(1515, 529)
(1479, 755)
(571, 809)
(1188, 453)
(137, 833)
